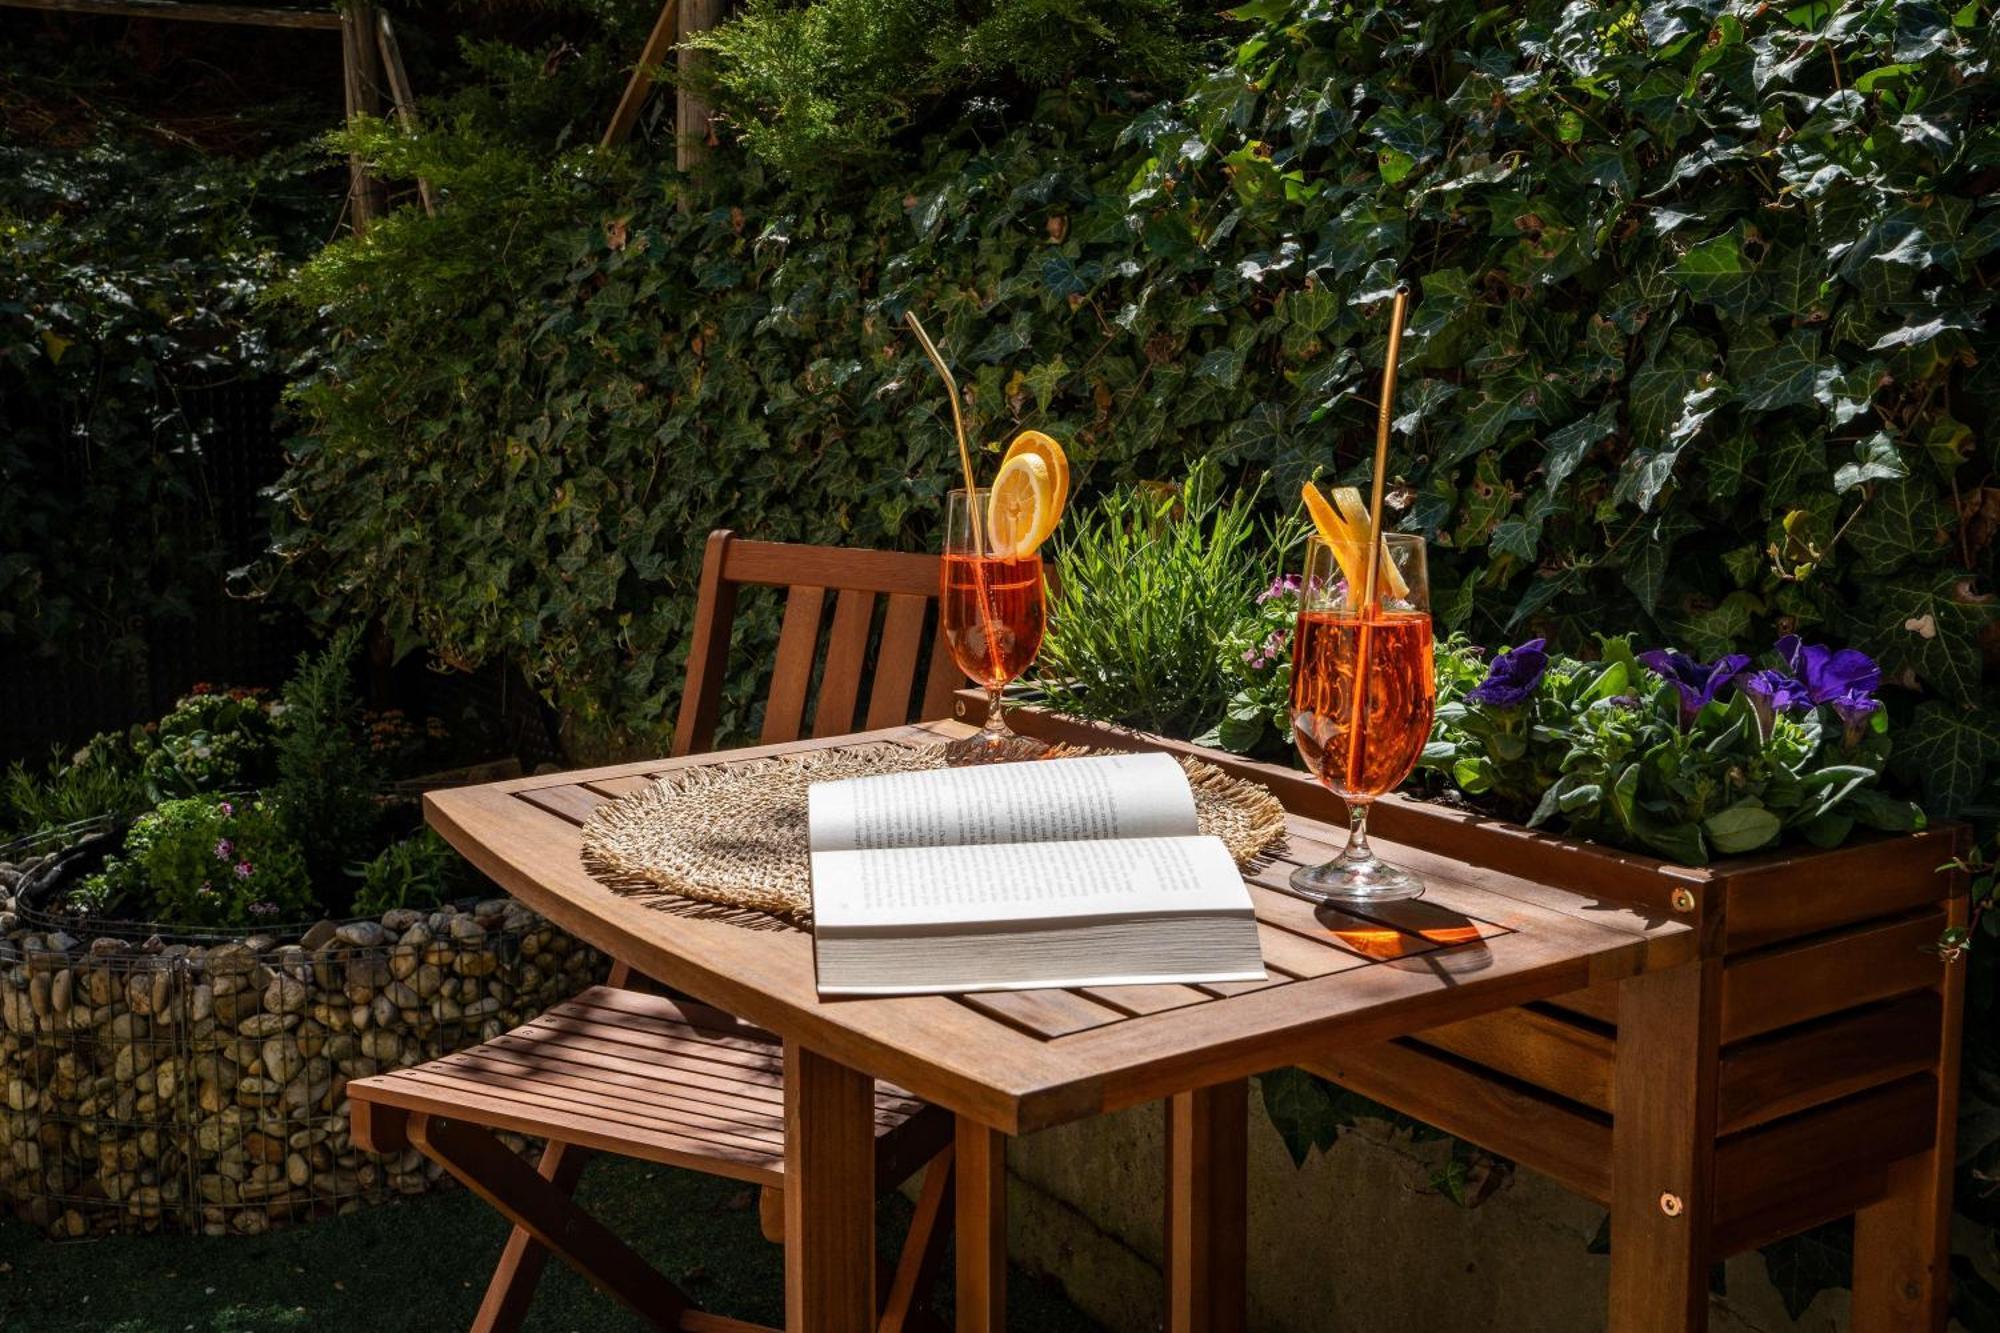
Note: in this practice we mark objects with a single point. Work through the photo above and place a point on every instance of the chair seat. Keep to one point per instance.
(666, 1080)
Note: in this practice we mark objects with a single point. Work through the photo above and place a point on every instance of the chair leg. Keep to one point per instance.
(923, 1249)
(512, 1287)
(484, 1165)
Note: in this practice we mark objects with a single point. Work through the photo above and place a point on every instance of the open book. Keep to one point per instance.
(1069, 872)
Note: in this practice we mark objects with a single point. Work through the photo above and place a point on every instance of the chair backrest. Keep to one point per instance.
(899, 634)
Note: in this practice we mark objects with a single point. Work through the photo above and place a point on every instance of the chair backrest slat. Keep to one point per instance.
(798, 642)
(846, 655)
(857, 579)
(896, 661)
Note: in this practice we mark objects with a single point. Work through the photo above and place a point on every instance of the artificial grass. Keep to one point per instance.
(421, 1264)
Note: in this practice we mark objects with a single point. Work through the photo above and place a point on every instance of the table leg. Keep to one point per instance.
(1207, 1208)
(829, 1195)
(1663, 1149)
(981, 1163)
(1902, 1245)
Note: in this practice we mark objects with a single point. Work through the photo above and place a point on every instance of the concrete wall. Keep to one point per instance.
(1353, 1241)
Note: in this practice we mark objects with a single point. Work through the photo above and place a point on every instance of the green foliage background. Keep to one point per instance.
(1699, 344)
(130, 274)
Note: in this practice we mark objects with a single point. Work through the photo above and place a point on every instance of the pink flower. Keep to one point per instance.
(243, 870)
(228, 810)
(224, 849)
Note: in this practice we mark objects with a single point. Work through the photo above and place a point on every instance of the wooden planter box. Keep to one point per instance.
(1806, 1063)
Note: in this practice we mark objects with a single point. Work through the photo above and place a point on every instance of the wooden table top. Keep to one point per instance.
(1022, 1060)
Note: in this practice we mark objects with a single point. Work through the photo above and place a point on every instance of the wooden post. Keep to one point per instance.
(980, 1158)
(1207, 1208)
(691, 115)
(1663, 1149)
(399, 89)
(1902, 1245)
(362, 66)
(640, 86)
(829, 1195)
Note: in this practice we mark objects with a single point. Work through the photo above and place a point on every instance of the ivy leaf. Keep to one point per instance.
(1566, 448)
(1923, 331)
(1223, 366)
(1915, 622)
(1848, 391)
(1903, 521)
(1646, 571)
(1647, 470)
(1785, 374)
(1661, 386)
(1949, 750)
(1302, 1110)
(1063, 276)
(1875, 459)
(1311, 308)
(1717, 272)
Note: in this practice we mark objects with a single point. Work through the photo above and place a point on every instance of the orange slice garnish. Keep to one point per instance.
(1021, 508)
(1342, 522)
(1052, 456)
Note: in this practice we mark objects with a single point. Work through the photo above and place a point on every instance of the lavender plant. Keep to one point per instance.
(1663, 752)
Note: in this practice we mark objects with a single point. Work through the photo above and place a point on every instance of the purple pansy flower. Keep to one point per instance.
(1697, 682)
(1513, 676)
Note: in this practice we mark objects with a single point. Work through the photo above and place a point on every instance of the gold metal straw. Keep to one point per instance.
(1372, 596)
(987, 617)
(957, 425)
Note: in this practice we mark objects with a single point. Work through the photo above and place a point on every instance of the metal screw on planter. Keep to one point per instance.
(196, 1079)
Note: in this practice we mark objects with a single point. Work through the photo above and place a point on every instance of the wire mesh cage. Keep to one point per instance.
(198, 1082)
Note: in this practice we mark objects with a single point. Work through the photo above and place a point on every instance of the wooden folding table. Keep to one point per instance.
(1013, 1062)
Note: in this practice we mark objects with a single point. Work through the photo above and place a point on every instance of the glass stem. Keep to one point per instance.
(995, 726)
(1357, 833)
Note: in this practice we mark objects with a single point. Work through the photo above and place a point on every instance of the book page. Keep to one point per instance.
(1115, 796)
(906, 888)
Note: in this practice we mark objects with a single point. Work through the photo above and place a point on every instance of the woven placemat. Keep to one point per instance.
(730, 841)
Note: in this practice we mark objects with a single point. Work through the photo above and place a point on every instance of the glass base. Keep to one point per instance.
(1356, 879)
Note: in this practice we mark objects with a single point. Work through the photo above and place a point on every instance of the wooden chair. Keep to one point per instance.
(668, 1080)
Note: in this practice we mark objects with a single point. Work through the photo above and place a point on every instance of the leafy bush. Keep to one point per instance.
(1695, 352)
(1147, 584)
(205, 862)
(824, 86)
(1258, 652)
(101, 779)
(1662, 753)
(419, 871)
(327, 776)
(132, 275)
(212, 741)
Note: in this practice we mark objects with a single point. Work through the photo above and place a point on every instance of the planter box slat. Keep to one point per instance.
(1568, 1059)
(1780, 899)
(1792, 1162)
(1844, 1054)
(1789, 984)
(1563, 1142)
(1599, 1002)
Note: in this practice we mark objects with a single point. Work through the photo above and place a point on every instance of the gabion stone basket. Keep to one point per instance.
(155, 1080)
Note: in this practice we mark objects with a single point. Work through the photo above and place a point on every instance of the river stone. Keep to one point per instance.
(285, 995)
(399, 919)
(281, 1058)
(321, 935)
(229, 960)
(362, 934)
(259, 1026)
(467, 933)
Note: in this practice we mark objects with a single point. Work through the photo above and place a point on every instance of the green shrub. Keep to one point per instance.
(205, 862)
(327, 776)
(824, 86)
(132, 274)
(213, 740)
(103, 778)
(420, 871)
(1148, 583)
